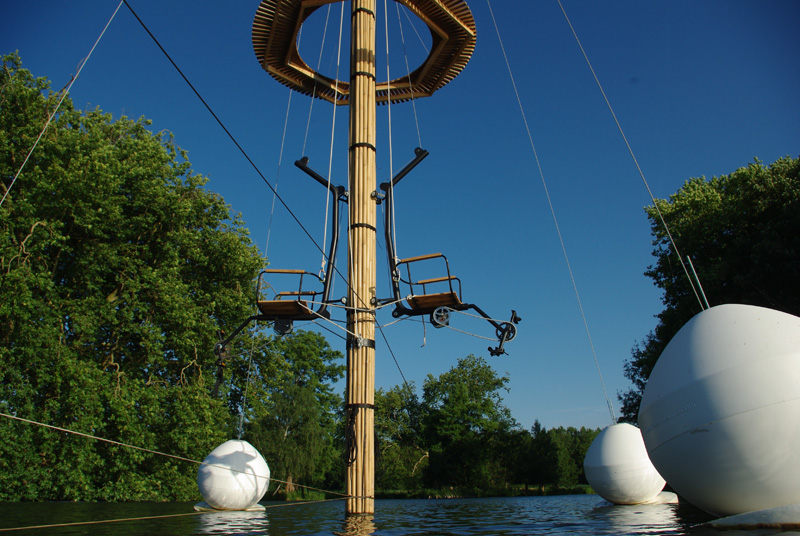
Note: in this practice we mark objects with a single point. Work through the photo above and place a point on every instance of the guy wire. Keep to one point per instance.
(64, 94)
(555, 220)
(633, 156)
(235, 141)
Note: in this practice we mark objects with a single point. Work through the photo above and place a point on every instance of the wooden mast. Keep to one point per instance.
(361, 299)
(275, 34)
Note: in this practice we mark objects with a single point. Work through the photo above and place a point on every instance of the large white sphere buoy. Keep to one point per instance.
(618, 468)
(233, 477)
(720, 415)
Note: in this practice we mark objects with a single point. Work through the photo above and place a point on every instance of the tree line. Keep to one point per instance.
(457, 438)
(460, 436)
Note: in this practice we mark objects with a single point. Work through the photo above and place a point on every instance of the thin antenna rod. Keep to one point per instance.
(699, 285)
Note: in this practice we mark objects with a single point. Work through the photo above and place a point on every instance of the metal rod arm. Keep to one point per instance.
(220, 346)
(388, 188)
(338, 191)
(420, 156)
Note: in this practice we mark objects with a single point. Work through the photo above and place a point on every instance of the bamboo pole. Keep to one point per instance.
(275, 37)
(360, 389)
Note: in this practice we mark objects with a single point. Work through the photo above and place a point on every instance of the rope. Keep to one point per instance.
(240, 429)
(280, 161)
(633, 156)
(277, 177)
(408, 71)
(96, 438)
(78, 523)
(553, 213)
(222, 125)
(164, 454)
(391, 352)
(234, 140)
(320, 317)
(389, 104)
(389, 113)
(319, 63)
(330, 331)
(278, 173)
(330, 155)
(64, 94)
(419, 37)
(351, 444)
(471, 334)
(465, 313)
(165, 516)
(388, 86)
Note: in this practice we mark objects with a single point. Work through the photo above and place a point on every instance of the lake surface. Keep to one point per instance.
(567, 514)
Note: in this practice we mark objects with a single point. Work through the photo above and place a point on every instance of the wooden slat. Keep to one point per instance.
(435, 280)
(432, 301)
(286, 308)
(453, 34)
(420, 258)
(295, 293)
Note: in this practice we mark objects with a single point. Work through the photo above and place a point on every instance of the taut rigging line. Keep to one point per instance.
(64, 94)
(553, 213)
(636, 163)
(233, 139)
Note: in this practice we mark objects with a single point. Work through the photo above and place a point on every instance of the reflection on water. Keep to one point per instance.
(562, 515)
(643, 518)
(358, 525)
(232, 523)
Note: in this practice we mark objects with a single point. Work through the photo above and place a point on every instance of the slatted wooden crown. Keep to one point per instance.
(276, 27)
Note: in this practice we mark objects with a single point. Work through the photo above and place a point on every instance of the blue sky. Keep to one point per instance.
(700, 89)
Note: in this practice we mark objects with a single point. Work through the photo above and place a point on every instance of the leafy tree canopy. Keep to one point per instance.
(742, 232)
(402, 452)
(464, 417)
(116, 271)
(296, 425)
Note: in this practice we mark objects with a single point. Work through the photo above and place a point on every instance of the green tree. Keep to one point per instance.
(402, 456)
(297, 428)
(464, 424)
(742, 232)
(557, 455)
(583, 439)
(117, 269)
(515, 457)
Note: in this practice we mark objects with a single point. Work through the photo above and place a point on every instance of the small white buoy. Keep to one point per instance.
(233, 477)
(720, 415)
(618, 468)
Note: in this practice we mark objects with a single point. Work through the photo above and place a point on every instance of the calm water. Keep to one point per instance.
(571, 514)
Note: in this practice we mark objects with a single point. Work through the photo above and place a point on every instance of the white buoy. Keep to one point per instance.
(618, 468)
(720, 415)
(233, 477)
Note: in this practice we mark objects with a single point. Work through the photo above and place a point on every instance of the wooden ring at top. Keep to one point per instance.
(277, 23)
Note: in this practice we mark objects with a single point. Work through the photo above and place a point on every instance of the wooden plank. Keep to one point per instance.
(435, 280)
(420, 258)
(277, 26)
(432, 301)
(286, 308)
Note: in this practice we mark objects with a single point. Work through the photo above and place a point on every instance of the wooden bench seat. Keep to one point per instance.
(432, 301)
(284, 308)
